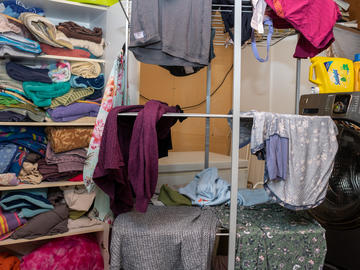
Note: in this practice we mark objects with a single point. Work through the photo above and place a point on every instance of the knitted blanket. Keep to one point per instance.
(163, 238)
(86, 69)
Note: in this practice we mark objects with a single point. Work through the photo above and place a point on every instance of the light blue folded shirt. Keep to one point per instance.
(209, 189)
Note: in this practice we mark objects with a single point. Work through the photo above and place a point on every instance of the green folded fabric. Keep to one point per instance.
(8, 101)
(73, 214)
(171, 197)
(42, 93)
(70, 97)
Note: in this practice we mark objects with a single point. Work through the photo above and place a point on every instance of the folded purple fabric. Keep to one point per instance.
(73, 111)
(50, 172)
(67, 161)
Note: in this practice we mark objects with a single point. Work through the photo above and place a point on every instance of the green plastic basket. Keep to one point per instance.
(97, 2)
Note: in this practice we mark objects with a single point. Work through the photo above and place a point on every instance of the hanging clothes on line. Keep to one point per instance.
(129, 152)
(313, 19)
(228, 16)
(115, 94)
(171, 33)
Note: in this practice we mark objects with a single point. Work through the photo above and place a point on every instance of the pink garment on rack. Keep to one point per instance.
(314, 19)
(78, 252)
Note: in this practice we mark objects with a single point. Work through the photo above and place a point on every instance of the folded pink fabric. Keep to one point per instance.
(50, 50)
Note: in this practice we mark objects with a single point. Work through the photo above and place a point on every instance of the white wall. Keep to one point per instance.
(270, 86)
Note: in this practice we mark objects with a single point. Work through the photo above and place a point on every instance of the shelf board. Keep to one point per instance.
(82, 5)
(67, 10)
(49, 124)
(57, 57)
(42, 185)
(92, 229)
(190, 115)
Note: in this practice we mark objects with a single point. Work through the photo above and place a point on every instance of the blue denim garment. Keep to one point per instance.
(245, 130)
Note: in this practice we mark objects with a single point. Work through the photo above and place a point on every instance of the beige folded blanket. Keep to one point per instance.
(97, 49)
(44, 30)
(86, 69)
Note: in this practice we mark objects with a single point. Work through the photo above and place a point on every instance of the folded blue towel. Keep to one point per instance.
(26, 203)
(20, 43)
(208, 188)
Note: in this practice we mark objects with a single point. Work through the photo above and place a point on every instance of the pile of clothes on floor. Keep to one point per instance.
(71, 252)
(58, 92)
(32, 155)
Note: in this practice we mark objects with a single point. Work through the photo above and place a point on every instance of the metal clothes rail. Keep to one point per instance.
(221, 40)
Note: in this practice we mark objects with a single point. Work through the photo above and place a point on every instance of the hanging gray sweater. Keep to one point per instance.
(171, 33)
(163, 238)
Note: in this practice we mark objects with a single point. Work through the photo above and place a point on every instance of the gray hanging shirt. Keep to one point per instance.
(171, 33)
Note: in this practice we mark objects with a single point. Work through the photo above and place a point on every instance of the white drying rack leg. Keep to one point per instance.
(235, 134)
(207, 123)
(298, 78)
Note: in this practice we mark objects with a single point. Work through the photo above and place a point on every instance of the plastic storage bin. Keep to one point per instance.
(97, 2)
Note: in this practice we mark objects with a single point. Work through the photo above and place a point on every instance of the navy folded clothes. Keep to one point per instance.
(81, 82)
(26, 203)
(23, 73)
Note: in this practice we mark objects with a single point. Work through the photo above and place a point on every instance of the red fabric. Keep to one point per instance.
(78, 252)
(50, 50)
(77, 178)
(314, 19)
(9, 262)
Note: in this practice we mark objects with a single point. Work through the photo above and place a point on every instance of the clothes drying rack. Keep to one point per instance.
(220, 40)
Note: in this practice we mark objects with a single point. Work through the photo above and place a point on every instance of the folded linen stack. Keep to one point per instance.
(13, 41)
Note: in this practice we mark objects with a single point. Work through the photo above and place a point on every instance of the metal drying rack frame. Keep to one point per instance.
(235, 115)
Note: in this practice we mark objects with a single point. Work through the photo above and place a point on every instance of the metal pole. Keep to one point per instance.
(207, 123)
(235, 134)
(126, 56)
(298, 78)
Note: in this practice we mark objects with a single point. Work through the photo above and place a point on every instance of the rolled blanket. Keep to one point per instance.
(20, 43)
(42, 93)
(6, 26)
(44, 30)
(73, 111)
(70, 97)
(94, 48)
(96, 83)
(86, 69)
(50, 50)
(60, 72)
(73, 30)
(24, 73)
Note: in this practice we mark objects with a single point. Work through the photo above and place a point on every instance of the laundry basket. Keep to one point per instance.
(96, 2)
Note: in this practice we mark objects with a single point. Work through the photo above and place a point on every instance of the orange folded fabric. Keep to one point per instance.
(50, 50)
(9, 262)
